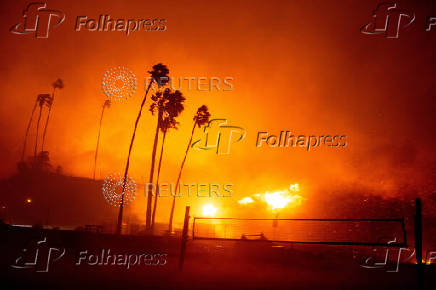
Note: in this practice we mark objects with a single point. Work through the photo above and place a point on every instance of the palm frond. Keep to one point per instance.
(58, 84)
(160, 74)
(202, 117)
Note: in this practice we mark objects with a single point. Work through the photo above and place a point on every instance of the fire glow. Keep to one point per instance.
(209, 210)
(277, 199)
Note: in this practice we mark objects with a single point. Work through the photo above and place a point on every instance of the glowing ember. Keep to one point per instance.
(29, 200)
(209, 210)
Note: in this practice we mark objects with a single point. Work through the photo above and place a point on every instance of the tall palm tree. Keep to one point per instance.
(164, 128)
(169, 105)
(201, 118)
(106, 104)
(58, 84)
(42, 99)
(28, 128)
(159, 74)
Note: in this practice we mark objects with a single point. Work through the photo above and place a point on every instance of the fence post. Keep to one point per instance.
(403, 227)
(193, 228)
(418, 243)
(184, 238)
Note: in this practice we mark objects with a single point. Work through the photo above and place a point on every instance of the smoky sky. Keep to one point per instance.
(302, 66)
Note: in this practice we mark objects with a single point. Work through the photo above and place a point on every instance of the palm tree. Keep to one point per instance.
(42, 99)
(58, 84)
(106, 104)
(159, 74)
(201, 118)
(28, 129)
(164, 128)
(169, 105)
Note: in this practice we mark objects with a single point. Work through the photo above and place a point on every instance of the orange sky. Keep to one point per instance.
(301, 66)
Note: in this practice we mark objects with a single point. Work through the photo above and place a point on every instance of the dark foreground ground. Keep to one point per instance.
(208, 264)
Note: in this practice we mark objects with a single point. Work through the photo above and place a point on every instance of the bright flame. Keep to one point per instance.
(246, 200)
(277, 199)
(209, 210)
(29, 200)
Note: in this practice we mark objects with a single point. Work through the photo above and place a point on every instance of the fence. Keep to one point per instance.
(363, 232)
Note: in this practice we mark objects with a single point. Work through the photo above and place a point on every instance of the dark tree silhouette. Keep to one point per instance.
(163, 127)
(201, 118)
(28, 129)
(106, 104)
(159, 74)
(58, 84)
(42, 99)
(42, 162)
(169, 105)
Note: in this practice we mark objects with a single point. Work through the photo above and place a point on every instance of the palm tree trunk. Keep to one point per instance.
(157, 179)
(120, 213)
(27, 131)
(170, 226)
(37, 130)
(153, 159)
(98, 141)
(46, 121)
